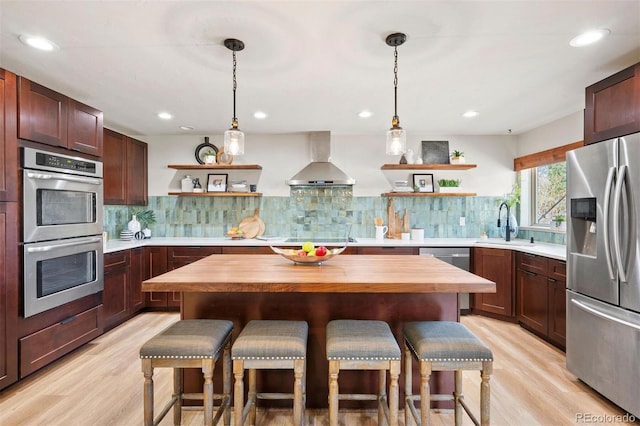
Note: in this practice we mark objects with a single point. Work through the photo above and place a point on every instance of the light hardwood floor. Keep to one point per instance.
(101, 384)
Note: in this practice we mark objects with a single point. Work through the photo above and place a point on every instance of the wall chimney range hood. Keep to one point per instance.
(321, 172)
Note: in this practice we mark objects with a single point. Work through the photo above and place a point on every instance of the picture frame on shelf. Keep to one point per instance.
(217, 182)
(423, 182)
(435, 152)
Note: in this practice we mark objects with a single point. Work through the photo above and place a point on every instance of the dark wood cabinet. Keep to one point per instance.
(495, 265)
(612, 106)
(122, 296)
(8, 140)
(115, 296)
(52, 118)
(125, 170)
(540, 284)
(154, 264)
(8, 294)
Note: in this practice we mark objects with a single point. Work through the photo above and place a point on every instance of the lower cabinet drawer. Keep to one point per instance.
(47, 345)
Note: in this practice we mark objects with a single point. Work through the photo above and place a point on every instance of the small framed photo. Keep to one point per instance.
(423, 183)
(217, 183)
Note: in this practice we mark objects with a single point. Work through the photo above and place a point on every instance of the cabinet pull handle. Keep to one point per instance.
(68, 320)
(553, 280)
(532, 274)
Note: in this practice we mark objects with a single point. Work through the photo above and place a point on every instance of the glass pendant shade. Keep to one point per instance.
(234, 141)
(396, 141)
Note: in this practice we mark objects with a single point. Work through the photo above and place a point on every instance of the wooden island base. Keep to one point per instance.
(318, 309)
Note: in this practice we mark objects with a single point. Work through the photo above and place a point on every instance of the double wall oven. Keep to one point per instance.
(62, 229)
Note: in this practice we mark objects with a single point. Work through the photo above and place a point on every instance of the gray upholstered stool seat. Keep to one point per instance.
(269, 344)
(445, 346)
(364, 345)
(189, 344)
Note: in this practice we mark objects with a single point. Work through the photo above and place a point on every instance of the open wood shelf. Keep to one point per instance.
(215, 166)
(463, 166)
(429, 194)
(217, 194)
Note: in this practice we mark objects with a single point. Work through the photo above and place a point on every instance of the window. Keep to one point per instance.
(543, 179)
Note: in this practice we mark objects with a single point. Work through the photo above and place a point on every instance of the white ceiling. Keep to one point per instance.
(313, 65)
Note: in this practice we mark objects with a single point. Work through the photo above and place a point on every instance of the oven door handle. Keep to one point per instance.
(45, 176)
(57, 246)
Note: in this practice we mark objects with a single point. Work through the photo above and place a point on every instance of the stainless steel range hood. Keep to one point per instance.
(321, 172)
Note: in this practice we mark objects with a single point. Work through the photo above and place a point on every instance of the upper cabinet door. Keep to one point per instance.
(8, 141)
(42, 114)
(85, 128)
(136, 172)
(115, 168)
(612, 106)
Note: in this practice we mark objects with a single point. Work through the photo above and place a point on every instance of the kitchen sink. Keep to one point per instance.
(507, 243)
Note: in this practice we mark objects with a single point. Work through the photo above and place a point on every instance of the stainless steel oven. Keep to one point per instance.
(62, 229)
(60, 271)
(63, 196)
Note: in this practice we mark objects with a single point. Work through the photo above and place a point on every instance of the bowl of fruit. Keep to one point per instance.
(235, 233)
(309, 253)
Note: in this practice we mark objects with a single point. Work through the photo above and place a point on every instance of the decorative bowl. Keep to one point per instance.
(292, 255)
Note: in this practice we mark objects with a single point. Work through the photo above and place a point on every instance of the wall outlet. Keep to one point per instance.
(463, 221)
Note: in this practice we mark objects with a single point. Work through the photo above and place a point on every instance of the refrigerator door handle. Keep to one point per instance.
(601, 314)
(617, 205)
(605, 221)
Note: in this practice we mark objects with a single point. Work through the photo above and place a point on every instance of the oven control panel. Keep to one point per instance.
(43, 160)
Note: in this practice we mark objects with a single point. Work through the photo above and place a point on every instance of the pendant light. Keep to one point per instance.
(234, 138)
(396, 136)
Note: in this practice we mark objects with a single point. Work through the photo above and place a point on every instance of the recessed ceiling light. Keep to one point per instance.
(260, 115)
(470, 114)
(589, 37)
(165, 116)
(365, 114)
(39, 43)
(188, 128)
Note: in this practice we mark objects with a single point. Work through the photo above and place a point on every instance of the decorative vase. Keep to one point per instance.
(134, 225)
(513, 223)
(403, 159)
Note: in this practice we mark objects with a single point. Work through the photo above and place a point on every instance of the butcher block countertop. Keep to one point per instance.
(272, 273)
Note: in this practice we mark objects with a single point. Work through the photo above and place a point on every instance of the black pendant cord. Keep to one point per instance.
(395, 82)
(235, 85)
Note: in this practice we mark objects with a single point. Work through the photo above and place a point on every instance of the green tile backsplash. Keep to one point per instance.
(318, 213)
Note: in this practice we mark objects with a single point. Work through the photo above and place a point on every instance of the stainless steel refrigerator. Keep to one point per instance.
(603, 268)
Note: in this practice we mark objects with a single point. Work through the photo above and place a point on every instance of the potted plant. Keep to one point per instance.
(559, 221)
(457, 157)
(450, 185)
(146, 218)
(209, 157)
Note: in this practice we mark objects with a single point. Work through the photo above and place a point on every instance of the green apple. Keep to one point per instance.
(308, 246)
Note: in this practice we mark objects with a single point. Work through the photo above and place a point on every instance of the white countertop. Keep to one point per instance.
(554, 251)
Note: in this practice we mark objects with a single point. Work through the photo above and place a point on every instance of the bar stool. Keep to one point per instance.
(269, 344)
(189, 344)
(364, 345)
(445, 346)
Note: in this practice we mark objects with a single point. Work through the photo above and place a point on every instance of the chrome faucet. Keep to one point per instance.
(507, 229)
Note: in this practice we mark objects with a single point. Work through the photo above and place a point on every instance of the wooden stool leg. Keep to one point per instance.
(177, 392)
(226, 384)
(207, 388)
(425, 393)
(298, 392)
(334, 369)
(394, 373)
(252, 396)
(147, 370)
(382, 395)
(238, 392)
(485, 393)
(408, 384)
(457, 394)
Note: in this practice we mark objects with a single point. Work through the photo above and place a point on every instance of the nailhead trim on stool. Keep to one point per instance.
(189, 344)
(364, 345)
(269, 344)
(445, 346)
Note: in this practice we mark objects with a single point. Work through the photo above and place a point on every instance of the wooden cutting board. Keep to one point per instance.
(252, 226)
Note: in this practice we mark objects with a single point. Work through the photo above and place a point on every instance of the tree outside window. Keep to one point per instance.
(550, 192)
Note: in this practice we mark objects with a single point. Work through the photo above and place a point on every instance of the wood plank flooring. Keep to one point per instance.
(100, 384)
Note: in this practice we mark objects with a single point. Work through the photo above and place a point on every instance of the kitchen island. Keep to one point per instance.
(390, 288)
